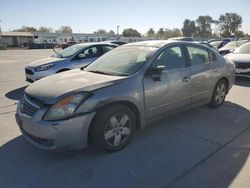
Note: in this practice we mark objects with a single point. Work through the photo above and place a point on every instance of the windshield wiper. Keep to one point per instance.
(111, 74)
(58, 54)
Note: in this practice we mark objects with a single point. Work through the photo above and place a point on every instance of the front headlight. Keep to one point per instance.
(66, 107)
(44, 67)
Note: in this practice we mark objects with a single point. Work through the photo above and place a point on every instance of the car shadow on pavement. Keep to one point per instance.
(174, 150)
(241, 81)
(16, 93)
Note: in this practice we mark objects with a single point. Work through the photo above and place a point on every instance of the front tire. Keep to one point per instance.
(113, 128)
(219, 94)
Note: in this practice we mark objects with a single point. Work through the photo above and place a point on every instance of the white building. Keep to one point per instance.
(16, 39)
(60, 38)
(20, 39)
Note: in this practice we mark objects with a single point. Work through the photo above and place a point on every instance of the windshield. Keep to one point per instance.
(67, 52)
(122, 61)
(244, 49)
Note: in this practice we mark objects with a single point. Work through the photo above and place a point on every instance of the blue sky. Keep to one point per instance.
(87, 16)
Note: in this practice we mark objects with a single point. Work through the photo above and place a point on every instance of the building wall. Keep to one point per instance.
(16, 41)
(8, 41)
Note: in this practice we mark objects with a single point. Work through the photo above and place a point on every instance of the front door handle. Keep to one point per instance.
(215, 70)
(186, 79)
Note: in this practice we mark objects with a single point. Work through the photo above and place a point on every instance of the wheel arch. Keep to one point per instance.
(129, 104)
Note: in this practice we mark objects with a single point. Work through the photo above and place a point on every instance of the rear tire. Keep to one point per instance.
(219, 94)
(113, 128)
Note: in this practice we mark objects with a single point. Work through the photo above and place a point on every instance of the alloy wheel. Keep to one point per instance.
(220, 93)
(118, 130)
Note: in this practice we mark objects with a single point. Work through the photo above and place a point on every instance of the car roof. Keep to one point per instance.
(182, 38)
(95, 43)
(150, 43)
(160, 43)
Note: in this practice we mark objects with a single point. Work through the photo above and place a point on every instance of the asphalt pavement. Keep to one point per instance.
(202, 147)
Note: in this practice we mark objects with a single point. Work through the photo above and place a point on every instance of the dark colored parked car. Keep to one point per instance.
(68, 44)
(118, 42)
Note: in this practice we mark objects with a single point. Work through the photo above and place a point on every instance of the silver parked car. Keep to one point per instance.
(120, 92)
(75, 56)
(241, 58)
(231, 46)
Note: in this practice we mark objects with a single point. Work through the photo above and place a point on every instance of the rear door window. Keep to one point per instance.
(198, 55)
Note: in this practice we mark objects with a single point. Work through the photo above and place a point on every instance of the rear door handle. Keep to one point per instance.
(186, 79)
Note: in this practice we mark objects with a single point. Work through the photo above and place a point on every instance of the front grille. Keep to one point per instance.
(244, 73)
(240, 65)
(30, 105)
(28, 71)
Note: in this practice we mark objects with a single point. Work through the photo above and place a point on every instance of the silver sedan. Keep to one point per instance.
(76, 56)
(120, 92)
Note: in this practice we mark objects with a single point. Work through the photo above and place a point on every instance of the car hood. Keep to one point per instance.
(243, 58)
(52, 88)
(227, 48)
(45, 61)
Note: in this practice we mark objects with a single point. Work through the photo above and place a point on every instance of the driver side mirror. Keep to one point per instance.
(156, 72)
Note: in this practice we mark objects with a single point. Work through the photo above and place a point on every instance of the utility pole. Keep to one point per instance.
(1, 39)
(117, 30)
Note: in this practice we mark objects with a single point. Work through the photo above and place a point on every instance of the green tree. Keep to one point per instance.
(45, 29)
(161, 33)
(203, 28)
(131, 33)
(170, 33)
(189, 28)
(229, 24)
(26, 29)
(151, 32)
(239, 34)
(64, 29)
